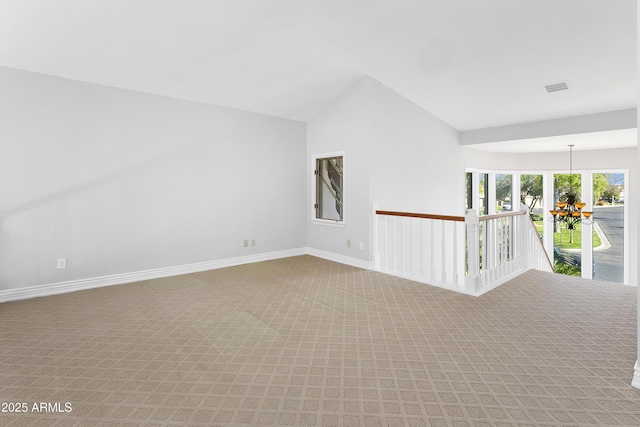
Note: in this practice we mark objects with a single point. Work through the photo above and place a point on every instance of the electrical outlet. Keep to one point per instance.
(253, 242)
(62, 263)
(246, 243)
(348, 243)
(361, 246)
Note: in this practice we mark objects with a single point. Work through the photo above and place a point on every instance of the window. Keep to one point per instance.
(531, 194)
(329, 203)
(531, 191)
(483, 193)
(468, 194)
(504, 190)
(567, 239)
(608, 243)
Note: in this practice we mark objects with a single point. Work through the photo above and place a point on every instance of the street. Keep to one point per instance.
(609, 261)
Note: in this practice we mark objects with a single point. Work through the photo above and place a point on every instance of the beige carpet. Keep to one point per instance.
(306, 342)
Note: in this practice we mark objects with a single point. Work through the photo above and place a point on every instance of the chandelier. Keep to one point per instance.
(569, 211)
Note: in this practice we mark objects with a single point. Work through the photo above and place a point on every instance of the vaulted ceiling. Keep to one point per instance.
(473, 63)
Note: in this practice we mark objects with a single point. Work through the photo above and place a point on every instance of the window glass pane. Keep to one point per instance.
(608, 235)
(329, 185)
(504, 192)
(531, 195)
(567, 236)
(468, 192)
(483, 193)
(565, 184)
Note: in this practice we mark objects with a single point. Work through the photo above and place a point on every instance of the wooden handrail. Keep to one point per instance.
(419, 215)
(448, 217)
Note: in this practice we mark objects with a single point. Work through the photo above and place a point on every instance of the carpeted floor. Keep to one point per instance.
(307, 342)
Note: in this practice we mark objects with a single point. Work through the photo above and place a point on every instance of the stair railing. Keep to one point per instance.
(471, 254)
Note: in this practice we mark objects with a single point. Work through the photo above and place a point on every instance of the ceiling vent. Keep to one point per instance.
(556, 87)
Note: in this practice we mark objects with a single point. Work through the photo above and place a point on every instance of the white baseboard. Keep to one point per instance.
(119, 279)
(636, 376)
(354, 262)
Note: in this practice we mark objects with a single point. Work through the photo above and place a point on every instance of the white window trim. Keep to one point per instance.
(327, 222)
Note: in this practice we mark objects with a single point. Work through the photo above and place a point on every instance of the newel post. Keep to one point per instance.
(472, 281)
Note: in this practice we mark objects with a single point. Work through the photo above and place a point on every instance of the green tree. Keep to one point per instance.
(564, 184)
(503, 189)
(613, 191)
(530, 186)
(615, 186)
(601, 186)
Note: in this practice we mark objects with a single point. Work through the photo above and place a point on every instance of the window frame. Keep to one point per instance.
(314, 196)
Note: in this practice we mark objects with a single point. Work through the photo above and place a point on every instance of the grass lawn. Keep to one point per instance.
(539, 227)
(562, 237)
(561, 240)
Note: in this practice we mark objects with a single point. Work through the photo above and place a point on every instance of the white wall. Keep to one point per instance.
(416, 164)
(618, 158)
(394, 153)
(119, 181)
(588, 123)
(345, 125)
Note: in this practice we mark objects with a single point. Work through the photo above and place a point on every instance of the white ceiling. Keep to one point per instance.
(474, 64)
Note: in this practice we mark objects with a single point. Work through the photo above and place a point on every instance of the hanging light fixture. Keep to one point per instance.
(569, 211)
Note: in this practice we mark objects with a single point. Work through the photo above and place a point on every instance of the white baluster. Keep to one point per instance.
(376, 242)
(433, 250)
(472, 223)
(443, 253)
(421, 249)
(454, 254)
